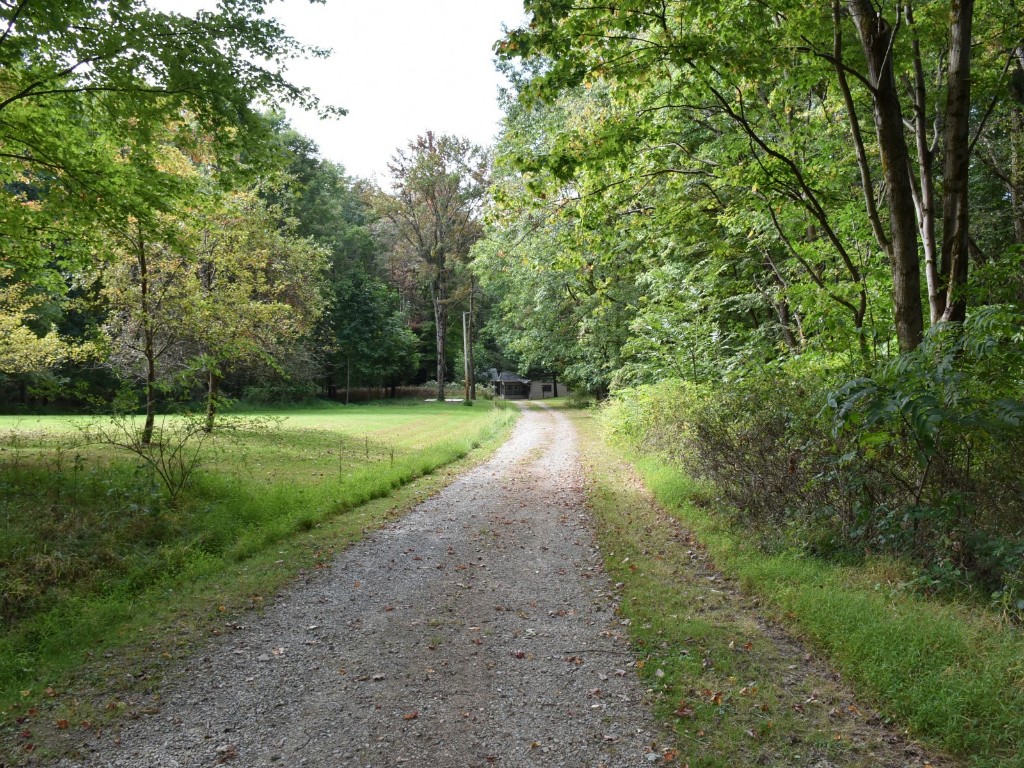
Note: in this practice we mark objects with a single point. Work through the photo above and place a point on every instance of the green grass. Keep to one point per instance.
(92, 552)
(951, 674)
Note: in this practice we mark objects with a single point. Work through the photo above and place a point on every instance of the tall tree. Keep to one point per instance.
(434, 208)
(363, 334)
(220, 285)
(255, 289)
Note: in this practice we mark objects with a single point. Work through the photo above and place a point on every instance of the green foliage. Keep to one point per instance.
(933, 441)
(700, 209)
(430, 220)
(747, 436)
(86, 86)
(118, 117)
(918, 461)
(947, 673)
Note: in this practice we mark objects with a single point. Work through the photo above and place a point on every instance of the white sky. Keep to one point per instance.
(400, 68)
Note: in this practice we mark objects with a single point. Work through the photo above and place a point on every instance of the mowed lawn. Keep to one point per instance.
(90, 536)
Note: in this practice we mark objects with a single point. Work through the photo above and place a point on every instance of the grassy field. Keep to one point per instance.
(95, 555)
(951, 675)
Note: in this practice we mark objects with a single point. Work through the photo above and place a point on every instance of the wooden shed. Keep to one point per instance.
(510, 386)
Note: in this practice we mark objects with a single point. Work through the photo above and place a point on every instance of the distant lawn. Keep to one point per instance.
(90, 541)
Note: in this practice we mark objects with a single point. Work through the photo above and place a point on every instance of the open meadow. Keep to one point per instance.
(95, 536)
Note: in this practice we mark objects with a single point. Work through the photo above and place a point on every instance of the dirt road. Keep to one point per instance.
(477, 631)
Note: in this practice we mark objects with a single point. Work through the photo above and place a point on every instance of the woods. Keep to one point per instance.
(166, 231)
(784, 238)
(785, 241)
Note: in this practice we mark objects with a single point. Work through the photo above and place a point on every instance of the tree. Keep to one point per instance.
(255, 289)
(218, 286)
(144, 289)
(767, 85)
(88, 91)
(434, 210)
(363, 334)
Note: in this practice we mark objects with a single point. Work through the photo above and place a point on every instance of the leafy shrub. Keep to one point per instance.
(747, 437)
(920, 460)
(933, 444)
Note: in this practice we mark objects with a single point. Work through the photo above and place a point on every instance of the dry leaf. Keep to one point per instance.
(684, 710)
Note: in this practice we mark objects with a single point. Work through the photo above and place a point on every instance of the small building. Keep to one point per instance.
(540, 390)
(509, 386)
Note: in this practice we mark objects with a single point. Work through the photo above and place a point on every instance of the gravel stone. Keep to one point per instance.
(479, 630)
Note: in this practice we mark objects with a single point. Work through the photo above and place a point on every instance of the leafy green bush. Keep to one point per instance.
(920, 460)
(933, 442)
(747, 437)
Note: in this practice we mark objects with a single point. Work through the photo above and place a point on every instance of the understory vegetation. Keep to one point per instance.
(919, 461)
(93, 536)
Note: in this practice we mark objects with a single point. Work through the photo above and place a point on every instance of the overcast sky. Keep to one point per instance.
(400, 67)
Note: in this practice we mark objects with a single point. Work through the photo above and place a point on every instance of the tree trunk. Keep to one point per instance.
(212, 388)
(465, 353)
(150, 423)
(554, 384)
(1016, 185)
(472, 362)
(877, 40)
(348, 377)
(148, 341)
(925, 201)
(782, 310)
(956, 168)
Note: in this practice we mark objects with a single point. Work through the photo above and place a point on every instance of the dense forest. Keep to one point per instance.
(786, 242)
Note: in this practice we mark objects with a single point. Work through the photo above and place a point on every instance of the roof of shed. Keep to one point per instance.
(505, 376)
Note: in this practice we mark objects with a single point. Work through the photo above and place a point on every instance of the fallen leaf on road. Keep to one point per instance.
(410, 715)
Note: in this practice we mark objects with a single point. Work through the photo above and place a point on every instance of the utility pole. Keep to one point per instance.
(465, 351)
(472, 362)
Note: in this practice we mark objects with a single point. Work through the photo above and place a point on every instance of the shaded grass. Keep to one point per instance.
(93, 547)
(952, 675)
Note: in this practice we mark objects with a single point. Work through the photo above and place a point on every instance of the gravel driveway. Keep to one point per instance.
(477, 631)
